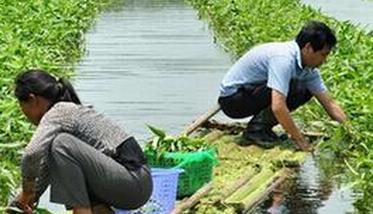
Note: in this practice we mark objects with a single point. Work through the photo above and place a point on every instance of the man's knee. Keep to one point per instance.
(233, 108)
(308, 95)
(298, 95)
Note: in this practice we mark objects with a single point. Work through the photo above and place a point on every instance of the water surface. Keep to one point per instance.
(151, 62)
(359, 12)
(311, 191)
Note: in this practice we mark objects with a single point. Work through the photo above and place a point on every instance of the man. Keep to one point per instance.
(273, 79)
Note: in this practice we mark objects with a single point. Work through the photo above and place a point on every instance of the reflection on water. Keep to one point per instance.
(277, 205)
(311, 191)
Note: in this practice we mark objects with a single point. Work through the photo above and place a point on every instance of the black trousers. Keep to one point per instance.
(250, 100)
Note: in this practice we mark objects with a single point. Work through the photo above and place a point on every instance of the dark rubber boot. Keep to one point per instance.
(259, 130)
(264, 120)
(259, 138)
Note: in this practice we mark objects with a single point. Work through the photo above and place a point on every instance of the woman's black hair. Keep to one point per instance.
(318, 34)
(43, 84)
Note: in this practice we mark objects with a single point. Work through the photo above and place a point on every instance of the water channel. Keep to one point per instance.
(153, 62)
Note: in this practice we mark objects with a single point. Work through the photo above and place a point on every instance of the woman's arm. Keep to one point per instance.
(36, 150)
(34, 164)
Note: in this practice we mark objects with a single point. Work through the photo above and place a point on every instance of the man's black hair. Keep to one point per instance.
(318, 34)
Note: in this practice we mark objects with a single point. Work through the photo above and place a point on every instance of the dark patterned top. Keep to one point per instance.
(65, 117)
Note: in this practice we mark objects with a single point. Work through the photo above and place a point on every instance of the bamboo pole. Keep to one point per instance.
(264, 177)
(249, 205)
(229, 190)
(193, 200)
(314, 134)
(203, 118)
(252, 193)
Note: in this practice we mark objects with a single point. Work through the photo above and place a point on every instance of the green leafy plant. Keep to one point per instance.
(162, 142)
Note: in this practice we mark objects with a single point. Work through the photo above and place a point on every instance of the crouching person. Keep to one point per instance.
(273, 79)
(91, 164)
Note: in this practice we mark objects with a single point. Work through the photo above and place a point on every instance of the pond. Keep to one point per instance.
(154, 62)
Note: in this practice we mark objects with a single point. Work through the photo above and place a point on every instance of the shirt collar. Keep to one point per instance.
(298, 54)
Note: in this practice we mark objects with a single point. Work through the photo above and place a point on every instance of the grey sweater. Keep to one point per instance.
(66, 117)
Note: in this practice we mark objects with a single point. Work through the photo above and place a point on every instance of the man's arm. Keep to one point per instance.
(331, 107)
(282, 114)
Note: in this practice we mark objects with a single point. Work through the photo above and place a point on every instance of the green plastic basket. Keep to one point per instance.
(197, 166)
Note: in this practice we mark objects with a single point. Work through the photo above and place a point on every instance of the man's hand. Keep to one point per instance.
(304, 145)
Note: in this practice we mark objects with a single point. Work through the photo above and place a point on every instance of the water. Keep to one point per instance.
(311, 191)
(153, 61)
(357, 11)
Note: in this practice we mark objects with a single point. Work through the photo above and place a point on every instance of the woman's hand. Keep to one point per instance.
(25, 202)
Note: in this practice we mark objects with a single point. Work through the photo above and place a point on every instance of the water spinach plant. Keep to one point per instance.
(162, 143)
(241, 24)
(35, 34)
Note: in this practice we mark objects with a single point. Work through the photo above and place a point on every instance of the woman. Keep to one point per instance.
(90, 162)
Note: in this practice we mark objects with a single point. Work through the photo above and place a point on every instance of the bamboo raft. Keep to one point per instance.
(243, 177)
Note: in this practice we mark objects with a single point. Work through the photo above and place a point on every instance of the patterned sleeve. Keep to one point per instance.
(53, 122)
(42, 180)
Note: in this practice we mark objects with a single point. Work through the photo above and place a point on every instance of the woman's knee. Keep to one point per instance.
(62, 142)
(102, 209)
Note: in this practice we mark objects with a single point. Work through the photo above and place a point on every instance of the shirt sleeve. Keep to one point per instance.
(279, 74)
(52, 123)
(315, 83)
(43, 180)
